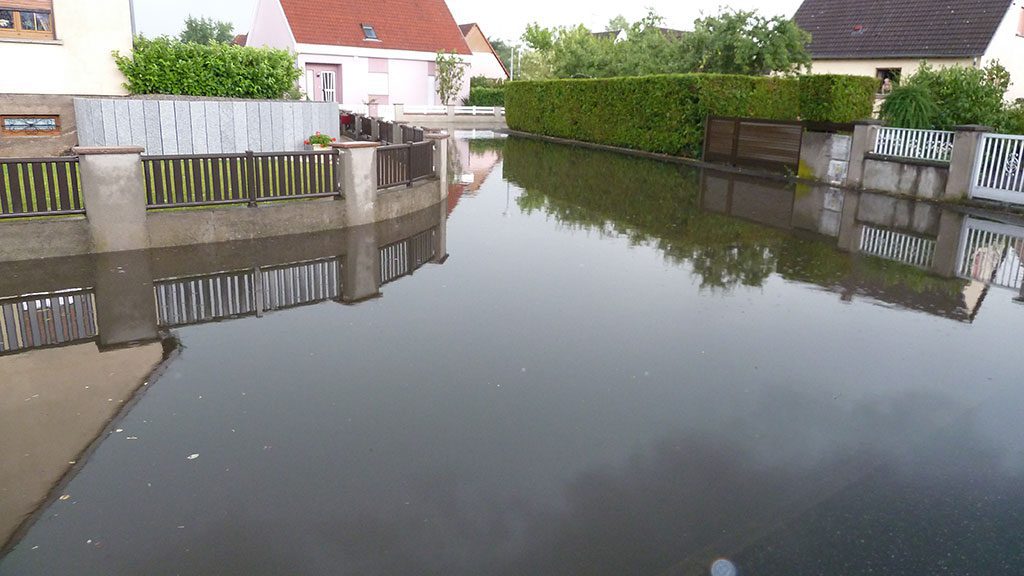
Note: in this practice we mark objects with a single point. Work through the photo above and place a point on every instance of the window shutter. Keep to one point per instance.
(43, 5)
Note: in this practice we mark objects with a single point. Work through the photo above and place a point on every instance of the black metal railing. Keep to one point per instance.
(40, 187)
(403, 164)
(212, 179)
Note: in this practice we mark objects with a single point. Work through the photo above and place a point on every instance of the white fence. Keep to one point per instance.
(429, 110)
(933, 145)
(992, 252)
(897, 246)
(999, 169)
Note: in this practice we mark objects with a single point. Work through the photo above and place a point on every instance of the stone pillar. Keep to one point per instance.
(961, 164)
(359, 180)
(361, 270)
(440, 140)
(114, 194)
(947, 244)
(865, 134)
(396, 133)
(375, 129)
(849, 228)
(399, 114)
(125, 313)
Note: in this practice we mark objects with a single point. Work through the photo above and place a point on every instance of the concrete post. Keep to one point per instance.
(375, 129)
(440, 140)
(961, 165)
(396, 133)
(451, 113)
(114, 194)
(362, 264)
(399, 113)
(865, 134)
(359, 180)
(849, 228)
(125, 314)
(947, 244)
(441, 238)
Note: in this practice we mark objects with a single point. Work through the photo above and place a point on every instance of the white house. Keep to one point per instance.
(52, 50)
(485, 61)
(890, 39)
(363, 52)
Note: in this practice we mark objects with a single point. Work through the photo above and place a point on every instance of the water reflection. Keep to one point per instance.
(641, 370)
(111, 299)
(916, 255)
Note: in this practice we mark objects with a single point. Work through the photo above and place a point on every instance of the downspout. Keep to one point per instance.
(131, 10)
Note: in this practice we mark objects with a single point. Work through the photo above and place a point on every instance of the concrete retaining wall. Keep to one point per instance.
(183, 126)
(917, 179)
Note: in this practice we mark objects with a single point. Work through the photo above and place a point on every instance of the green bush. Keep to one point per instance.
(166, 66)
(485, 82)
(486, 97)
(837, 98)
(654, 113)
(1012, 121)
(910, 107)
(964, 95)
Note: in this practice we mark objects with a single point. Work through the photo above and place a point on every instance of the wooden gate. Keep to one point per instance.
(753, 143)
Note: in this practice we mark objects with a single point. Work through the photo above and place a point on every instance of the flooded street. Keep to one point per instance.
(597, 365)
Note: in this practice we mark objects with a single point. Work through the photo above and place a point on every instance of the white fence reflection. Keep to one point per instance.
(38, 321)
(993, 253)
(184, 301)
(897, 246)
(405, 257)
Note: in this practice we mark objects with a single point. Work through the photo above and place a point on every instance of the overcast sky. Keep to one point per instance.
(498, 19)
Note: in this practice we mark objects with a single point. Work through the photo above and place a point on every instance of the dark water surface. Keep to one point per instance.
(623, 367)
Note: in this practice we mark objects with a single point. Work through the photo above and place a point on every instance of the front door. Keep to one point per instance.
(326, 82)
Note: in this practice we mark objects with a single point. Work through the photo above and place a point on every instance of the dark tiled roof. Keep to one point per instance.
(900, 28)
(418, 25)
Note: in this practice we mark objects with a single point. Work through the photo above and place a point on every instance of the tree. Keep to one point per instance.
(616, 24)
(451, 72)
(207, 31)
(964, 95)
(503, 50)
(744, 42)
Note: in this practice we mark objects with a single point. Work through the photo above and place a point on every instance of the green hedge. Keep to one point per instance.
(486, 97)
(837, 98)
(654, 113)
(166, 66)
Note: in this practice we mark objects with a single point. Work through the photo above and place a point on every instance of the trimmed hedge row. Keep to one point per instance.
(835, 98)
(663, 114)
(166, 66)
(486, 97)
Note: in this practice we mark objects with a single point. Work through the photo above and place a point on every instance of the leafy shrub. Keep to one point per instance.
(654, 113)
(910, 106)
(837, 98)
(1012, 121)
(485, 82)
(486, 97)
(166, 66)
(964, 95)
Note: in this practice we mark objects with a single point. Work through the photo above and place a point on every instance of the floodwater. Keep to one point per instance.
(621, 367)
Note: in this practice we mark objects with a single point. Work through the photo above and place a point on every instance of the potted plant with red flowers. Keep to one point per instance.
(319, 141)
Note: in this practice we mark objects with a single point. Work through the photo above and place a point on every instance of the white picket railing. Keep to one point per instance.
(477, 110)
(433, 110)
(897, 246)
(933, 145)
(999, 169)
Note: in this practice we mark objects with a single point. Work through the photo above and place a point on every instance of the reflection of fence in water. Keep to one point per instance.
(185, 301)
(47, 320)
(299, 284)
(897, 246)
(991, 252)
(405, 257)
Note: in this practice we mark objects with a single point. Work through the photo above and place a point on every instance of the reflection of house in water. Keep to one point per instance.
(66, 367)
(942, 244)
(477, 153)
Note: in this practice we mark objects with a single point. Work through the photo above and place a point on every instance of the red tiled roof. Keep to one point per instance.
(418, 25)
(240, 39)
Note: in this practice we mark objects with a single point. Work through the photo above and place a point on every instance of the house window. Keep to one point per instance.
(35, 23)
(888, 78)
(42, 125)
(369, 33)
